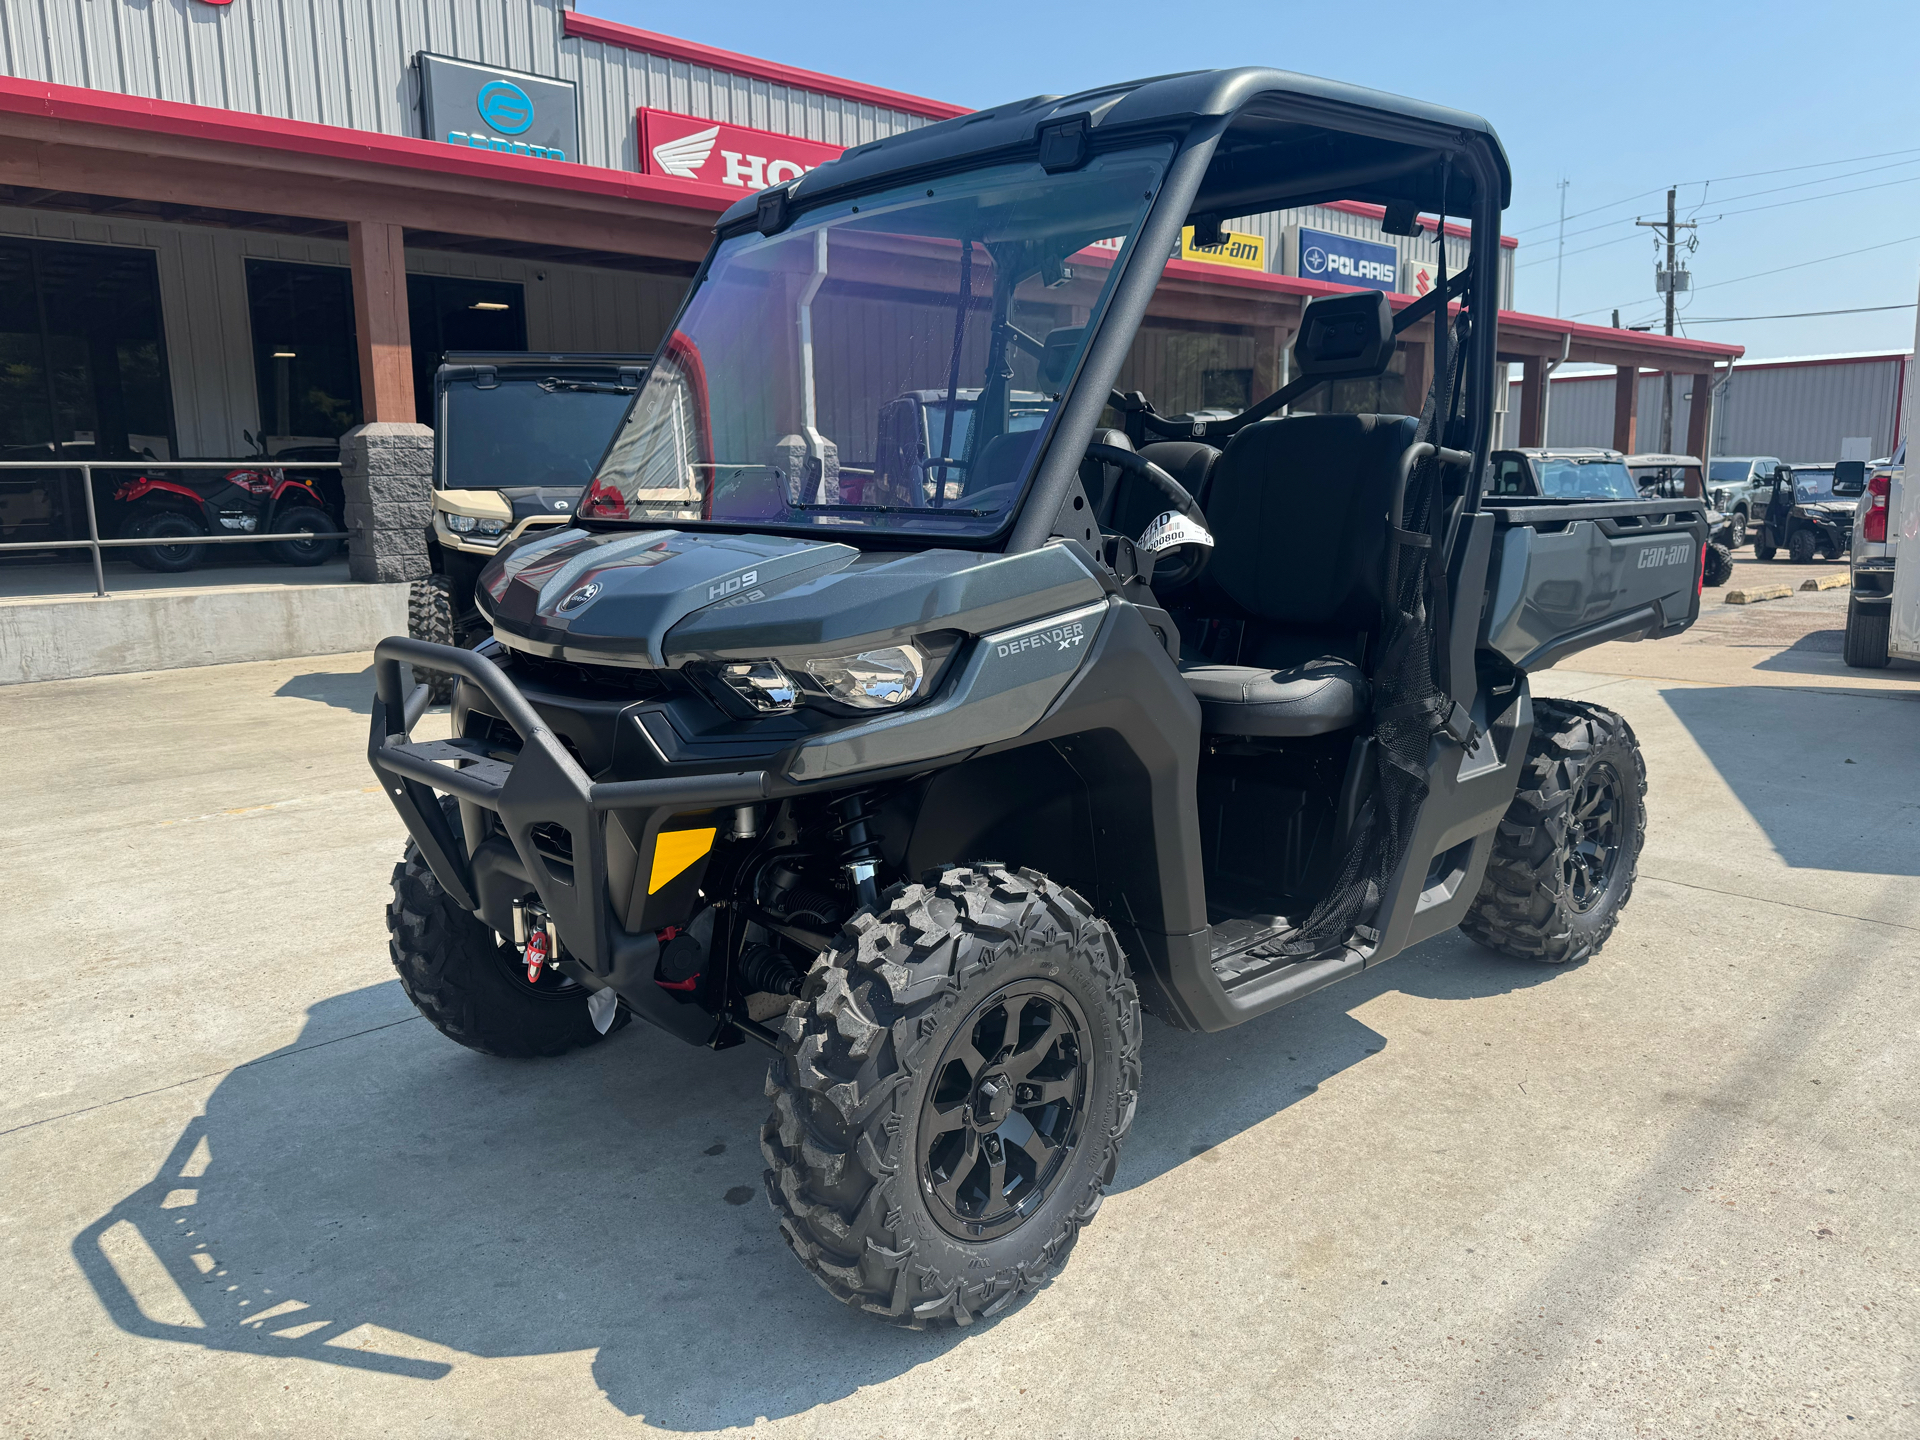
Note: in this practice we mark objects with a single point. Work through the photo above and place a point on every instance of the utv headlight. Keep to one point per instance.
(461, 524)
(874, 679)
(761, 683)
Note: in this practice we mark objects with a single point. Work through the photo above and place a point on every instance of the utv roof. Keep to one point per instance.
(1586, 452)
(1171, 105)
(1638, 461)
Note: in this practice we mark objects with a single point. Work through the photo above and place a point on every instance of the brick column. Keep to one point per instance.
(1534, 385)
(1701, 419)
(386, 469)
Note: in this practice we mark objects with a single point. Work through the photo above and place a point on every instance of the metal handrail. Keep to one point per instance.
(94, 544)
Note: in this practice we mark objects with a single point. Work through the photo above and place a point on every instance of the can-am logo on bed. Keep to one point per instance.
(735, 156)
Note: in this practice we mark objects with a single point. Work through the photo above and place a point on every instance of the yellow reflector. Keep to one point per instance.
(674, 851)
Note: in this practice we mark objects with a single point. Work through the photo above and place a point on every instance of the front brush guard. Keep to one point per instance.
(542, 786)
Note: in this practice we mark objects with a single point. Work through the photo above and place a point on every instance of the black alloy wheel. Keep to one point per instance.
(1594, 838)
(1005, 1109)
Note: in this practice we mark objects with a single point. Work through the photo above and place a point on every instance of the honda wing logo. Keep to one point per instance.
(685, 156)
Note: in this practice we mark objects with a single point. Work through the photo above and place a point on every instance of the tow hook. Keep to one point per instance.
(537, 938)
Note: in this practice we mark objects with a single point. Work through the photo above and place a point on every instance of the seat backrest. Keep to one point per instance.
(1298, 506)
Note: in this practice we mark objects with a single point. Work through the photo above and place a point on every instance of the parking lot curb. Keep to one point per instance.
(1765, 592)
(1825, 582)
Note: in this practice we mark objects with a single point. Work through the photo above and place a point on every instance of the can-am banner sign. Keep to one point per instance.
(1343, 260)
(733, 156)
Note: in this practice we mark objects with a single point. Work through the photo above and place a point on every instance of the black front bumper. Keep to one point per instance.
(542, 789)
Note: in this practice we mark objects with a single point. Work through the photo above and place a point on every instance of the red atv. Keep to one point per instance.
(251, 499)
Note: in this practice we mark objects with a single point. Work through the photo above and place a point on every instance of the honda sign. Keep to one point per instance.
(735, 156)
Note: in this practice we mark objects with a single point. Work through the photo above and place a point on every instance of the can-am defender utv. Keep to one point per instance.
(931, 789)
(516, 437)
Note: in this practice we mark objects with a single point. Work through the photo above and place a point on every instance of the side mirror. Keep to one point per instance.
(1057, 353)
(1850, 477)
(1345, 337)
(1782, 472)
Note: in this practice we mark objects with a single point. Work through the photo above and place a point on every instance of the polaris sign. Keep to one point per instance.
(481, 107)
(1343, 260)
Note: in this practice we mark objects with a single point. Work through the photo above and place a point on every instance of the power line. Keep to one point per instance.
(1716, 180)
(1798, 265)
(1729, 200)
(1794, 314)
(1772, 205)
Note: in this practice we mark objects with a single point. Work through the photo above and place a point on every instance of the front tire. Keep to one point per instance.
(430, 616)
(1718, 567)
(1566, 853)
(471, 985)
(1739, 526)
(1866, 644)
(1801, 547)
(954, 1085)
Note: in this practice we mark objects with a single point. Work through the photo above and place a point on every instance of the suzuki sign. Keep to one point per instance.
(1343, 260)
(483, 107)
(734, 156)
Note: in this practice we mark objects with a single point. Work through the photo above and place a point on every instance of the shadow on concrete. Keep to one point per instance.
(372, 1187)
(342, 689)
(1829, 775)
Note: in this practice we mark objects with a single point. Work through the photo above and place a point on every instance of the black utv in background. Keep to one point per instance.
(929, 766)
(516, 436)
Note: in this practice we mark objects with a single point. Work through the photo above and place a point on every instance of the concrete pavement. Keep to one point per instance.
(1670, 1191)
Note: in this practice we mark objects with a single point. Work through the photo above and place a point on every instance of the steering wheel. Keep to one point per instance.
(1179, 539)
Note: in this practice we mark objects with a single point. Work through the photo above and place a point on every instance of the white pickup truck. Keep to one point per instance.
(1882, 597)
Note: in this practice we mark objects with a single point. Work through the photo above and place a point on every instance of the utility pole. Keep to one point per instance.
(1665, 281)
(1560, 245)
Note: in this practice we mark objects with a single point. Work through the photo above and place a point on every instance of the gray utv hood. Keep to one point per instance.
(611, 599)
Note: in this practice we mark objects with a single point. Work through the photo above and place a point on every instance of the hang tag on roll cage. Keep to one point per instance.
(1170, 529)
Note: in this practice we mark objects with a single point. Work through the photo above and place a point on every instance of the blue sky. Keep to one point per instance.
(1619, 99)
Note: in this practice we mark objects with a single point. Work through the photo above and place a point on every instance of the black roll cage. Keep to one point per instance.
(1454, 166)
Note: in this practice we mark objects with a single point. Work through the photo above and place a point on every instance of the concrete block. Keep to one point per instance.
(1757, 593)
(59, 639)
(386, 471)
(1825, 582)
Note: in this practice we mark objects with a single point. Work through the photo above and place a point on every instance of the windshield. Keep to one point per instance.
(879, 364)
(1815, 485)
(1587, 480)
(1729, 469)
(531, 430)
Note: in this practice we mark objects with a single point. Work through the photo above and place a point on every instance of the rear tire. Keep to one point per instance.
(1866, 644)
(430, 616)
(1565, 854)
(165, 559)
(986, 994)
(1764, 549)
(316, 523)
(1718, 567)
(1801, 547)
(471, 986)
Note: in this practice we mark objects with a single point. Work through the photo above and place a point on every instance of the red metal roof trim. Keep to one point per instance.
(1378, 212)
(590, 27)
(237, 127)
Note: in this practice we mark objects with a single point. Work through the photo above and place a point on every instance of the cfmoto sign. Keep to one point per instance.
(482, 107)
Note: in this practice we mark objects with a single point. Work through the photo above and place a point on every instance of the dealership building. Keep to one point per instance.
(225, 226)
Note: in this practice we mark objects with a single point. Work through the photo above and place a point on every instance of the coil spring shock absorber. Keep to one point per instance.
(861, 852)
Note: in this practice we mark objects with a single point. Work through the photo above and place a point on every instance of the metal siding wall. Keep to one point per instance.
(1800, 413)
(350, 63)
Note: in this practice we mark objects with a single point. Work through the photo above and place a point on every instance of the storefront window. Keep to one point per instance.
(83, 374)
(306, 358)
(447, 312)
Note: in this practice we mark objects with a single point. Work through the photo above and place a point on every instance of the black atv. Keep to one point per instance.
(516, 435)
(930, 785)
